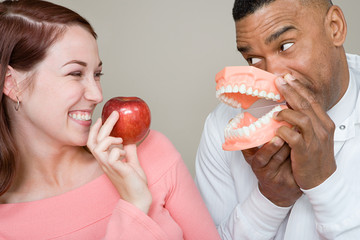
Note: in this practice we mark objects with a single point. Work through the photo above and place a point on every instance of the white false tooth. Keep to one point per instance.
(226, 133)
(262, 94)
(78, 116)
(240, 132)
(232, 133)
(246, 131)
(265, 120)
(218, 93)
(252, 127)
(234, 103)
(278, 109)
(222, 89)
(228, 89)
(255, 93)
(271, 96)
(240, 116)
(270, 114)
(242, 89)
(257, 124)
(249, 91)
(277, 97)
(235, 89)
(227, 127)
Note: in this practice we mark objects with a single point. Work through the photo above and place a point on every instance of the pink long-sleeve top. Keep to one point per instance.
(96, 211)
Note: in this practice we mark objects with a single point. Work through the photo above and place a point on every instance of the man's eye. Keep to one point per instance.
(253, 61)
(286, 46)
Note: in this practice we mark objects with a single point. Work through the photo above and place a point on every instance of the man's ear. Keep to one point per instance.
(11, 88)
(336, 23)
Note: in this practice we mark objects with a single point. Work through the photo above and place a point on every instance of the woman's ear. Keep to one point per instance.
(11, 88)
(336, 23)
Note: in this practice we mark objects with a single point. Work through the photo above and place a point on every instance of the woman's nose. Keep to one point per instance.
(93, 92)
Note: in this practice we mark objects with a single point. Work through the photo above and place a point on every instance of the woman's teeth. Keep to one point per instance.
(80, 116)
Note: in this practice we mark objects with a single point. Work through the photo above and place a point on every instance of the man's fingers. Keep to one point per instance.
(262, 156)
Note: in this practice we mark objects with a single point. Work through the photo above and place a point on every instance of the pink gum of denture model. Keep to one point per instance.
(240, 87)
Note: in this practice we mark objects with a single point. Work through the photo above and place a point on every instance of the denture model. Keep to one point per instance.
(241, 87)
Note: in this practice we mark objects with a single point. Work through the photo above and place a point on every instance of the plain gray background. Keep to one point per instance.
(167, 52)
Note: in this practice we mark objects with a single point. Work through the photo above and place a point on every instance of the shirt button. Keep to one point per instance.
(342, 127)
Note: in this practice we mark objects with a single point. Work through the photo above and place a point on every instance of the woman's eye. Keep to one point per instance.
(253, 61)
(98, 74)
(286, 46)
(75, 74)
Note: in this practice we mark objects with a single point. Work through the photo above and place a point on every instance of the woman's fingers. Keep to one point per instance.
(94, 130)
(108, 126)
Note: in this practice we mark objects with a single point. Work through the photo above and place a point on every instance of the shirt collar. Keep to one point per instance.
(344, 113)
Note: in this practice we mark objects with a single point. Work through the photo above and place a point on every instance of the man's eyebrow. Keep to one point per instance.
(244, 49)
(278, 33)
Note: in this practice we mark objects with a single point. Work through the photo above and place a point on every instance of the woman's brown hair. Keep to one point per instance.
(27, 29)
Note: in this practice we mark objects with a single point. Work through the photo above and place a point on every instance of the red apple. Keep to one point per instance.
(134, 118)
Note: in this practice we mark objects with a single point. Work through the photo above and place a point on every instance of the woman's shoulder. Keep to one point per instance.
(156, 144)
(157, 154)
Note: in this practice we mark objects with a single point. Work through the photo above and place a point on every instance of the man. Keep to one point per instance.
(304, 183)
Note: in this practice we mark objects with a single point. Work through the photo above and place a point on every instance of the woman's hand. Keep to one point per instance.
(120, 163)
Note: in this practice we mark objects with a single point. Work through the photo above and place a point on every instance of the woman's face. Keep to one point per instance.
(65, 90)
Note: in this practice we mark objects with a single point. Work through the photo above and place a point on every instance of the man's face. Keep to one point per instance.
(287, 37)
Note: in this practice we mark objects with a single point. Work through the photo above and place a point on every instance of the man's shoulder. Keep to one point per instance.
(353, 61)
(354, 66)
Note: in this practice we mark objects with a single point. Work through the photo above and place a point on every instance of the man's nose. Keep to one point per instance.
(277, 66)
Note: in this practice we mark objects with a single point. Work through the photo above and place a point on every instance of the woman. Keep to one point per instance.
(51, 185)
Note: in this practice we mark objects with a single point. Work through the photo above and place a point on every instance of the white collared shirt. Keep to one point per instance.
(328, 211)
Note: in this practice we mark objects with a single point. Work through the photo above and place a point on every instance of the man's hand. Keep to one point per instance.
(311, 138)
(272, 166)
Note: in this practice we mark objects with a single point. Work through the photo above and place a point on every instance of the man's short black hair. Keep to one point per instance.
(243, 8)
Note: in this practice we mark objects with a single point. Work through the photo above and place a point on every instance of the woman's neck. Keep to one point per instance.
(47, 173)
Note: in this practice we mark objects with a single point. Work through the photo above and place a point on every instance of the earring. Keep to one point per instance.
(17, 106)
(8, 74)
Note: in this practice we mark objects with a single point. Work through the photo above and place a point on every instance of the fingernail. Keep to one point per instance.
(277, 141)
(289, 77)
(281, 81)
(114, 113)
(275, 114)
